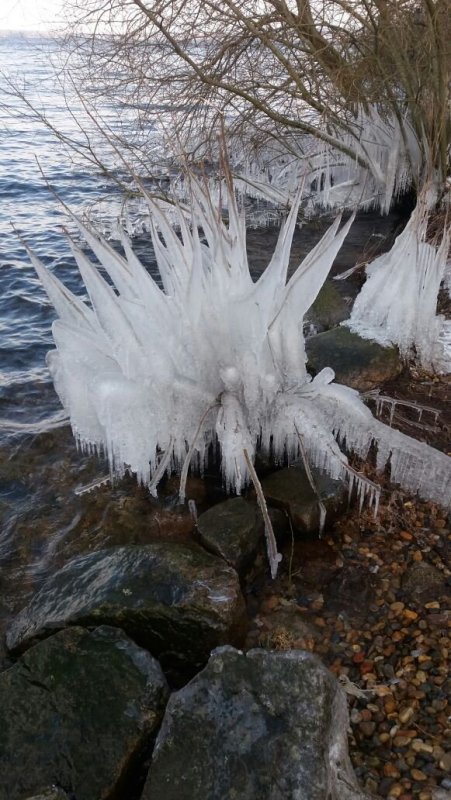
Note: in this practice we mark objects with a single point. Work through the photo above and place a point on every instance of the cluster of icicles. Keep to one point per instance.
(159, 379)
(381, 160)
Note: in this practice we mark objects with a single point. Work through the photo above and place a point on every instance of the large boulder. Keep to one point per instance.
(357, 362)
(174, 599)
(270, 725)
(79, 711)
(233, 530)
(290, 490)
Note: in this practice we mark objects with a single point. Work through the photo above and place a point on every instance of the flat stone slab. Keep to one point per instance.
(78, 711)
(358, 363)
(270, 725)
(174, 599)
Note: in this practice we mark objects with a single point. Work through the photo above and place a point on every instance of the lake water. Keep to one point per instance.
(31, 158)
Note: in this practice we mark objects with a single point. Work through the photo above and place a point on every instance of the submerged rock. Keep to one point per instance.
(233, 530)
(423, 582)
(290, 490)
(266, 724)
(358, 363)
(176, 600)
(79, 711)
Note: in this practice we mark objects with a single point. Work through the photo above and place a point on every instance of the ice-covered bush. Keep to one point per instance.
(158, 378)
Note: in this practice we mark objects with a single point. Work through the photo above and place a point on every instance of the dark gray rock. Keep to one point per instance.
(421, 581)
(269, 725)
(79, 710)
(289, 489)
(176, 600)
(233, 530)
(329, 309)
(357, 362)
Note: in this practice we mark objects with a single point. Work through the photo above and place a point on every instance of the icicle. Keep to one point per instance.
(274, 557)
(89, 487)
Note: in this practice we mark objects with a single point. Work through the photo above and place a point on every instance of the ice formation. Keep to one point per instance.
(398, 302)
(161, 378)
(382, 158)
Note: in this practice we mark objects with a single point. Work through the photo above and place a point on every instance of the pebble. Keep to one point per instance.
(406, 715)
(367, 728)
(418, 775)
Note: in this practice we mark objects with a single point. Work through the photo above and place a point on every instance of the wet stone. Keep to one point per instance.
(358, 363)
(290, 490)
(79, 711)
(267, 725)
(176, 600)
(232, 530)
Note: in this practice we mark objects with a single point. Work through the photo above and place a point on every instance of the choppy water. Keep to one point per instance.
(30, 158)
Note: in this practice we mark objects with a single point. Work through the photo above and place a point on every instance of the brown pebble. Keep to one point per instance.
(367, 728)
(445, 762)
(418, 746)
(418, 775)
(401, 741)
(390, 771)
(406, 714)
(389, 705)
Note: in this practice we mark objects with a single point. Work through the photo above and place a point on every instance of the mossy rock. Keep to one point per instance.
(79, 711)
(358, 363)
(329, 309)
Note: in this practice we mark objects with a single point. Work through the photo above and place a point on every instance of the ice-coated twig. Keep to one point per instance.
(89, 487)
(274, 557)
(190, 453)
(392, 402)
(311, 480)
(161, 469)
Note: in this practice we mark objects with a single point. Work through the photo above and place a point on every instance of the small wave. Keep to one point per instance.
(57, 420)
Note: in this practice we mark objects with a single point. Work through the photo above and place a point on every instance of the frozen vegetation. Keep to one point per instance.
(158, 378)
(382, 159)
(398, 303)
